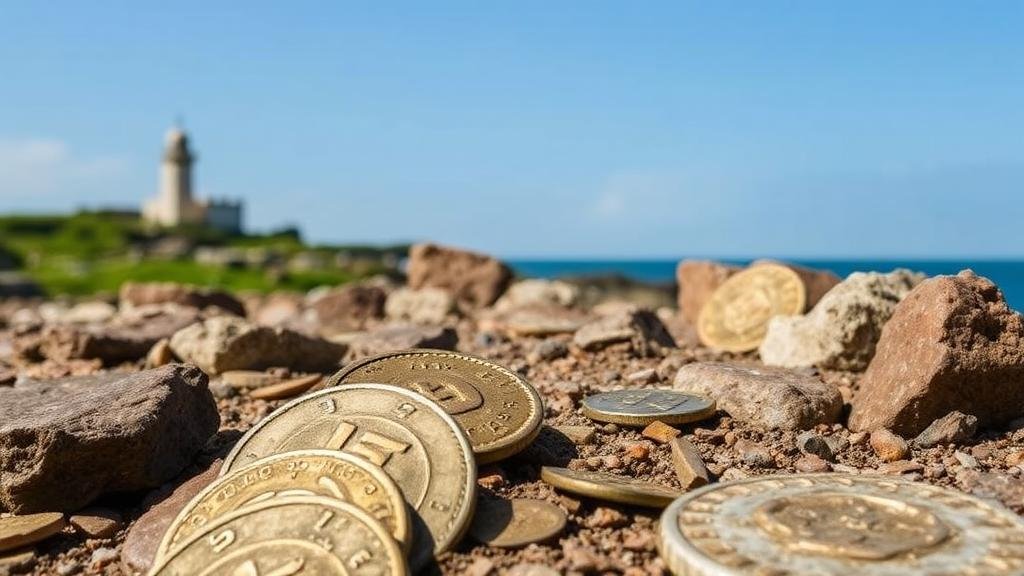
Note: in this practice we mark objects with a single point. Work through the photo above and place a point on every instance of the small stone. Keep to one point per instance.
(102, 557)
(391, 337)
(286, 389)
(22, 530)
(688, 464)
(474, 280)
(965, 460)
(423, 306)
(639, 327)
(68, 568)
(612, 462)
(858, 438)
(1015, 458)
(491, 481)
(900, 467)
(578, 435)
(811, 463)
(731, 474)
(753, 454)
(538, 292)
(547, 350)
(888, 446)
(639, 541)
(646, 376)
(660, 432)
(952, 428)
(604, 517)
(97, 522)
(160, 354)
(638, 452)
(763, 396)
(610, 428)
(825, 447)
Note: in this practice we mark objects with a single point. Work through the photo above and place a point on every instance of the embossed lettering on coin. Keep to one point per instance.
(641, 407)
(736, 316)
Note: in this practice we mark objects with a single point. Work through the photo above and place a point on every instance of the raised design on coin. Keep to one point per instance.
(837, 524)
(416, 442)
(280, 537)
(516, 523)
(301, 473)
(641, 407)
(499, 410)
(610, 487)
(735, 318)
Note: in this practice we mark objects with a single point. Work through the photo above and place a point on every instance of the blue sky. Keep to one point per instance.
(597, 129)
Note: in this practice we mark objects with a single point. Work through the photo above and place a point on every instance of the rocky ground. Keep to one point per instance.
(889, 373)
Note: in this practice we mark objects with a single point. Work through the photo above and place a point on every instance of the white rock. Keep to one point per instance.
(422, 306)
(534, 292)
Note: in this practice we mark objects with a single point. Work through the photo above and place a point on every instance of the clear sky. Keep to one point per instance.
(628, 129)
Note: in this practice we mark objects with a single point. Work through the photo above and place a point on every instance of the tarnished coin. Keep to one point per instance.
(641, 407)
(285, 536)
(17, 531)
(610, 487)
(499, 410)
(301, 473)
(419, 445)
(735, 318)
(838, 524)
(516, 523)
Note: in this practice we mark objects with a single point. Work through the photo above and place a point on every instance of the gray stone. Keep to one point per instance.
(639, 327)
(65, 442)
(227, 343)
(546, 350)
(952, 428)
(763, 396)
(841, 331)
(825, 447)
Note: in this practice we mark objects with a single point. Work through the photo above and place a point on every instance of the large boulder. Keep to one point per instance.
(698, 280)
(841, 330)
(348, 308)
(764, 396)
(65, 442)
(474, 280)
(953, 344)
(639, 327)
(134, 294)
(228, 343)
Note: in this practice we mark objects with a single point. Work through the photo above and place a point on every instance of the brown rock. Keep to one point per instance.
(160, 354)
(18, 531)
(888, 446)
(639, 327)
(638, 451)
(126, 338)
(689, 465)
(950, 429)
(810, 463)
(135, 294)
(97, 522)
(753, 454)
(578, 435)
(286, 389)
(698, 280)
(660, 432)
(348, 308)
(107, 432)
(952, 344)
(604, 517)
(474, 279)
(145, 534)
(401, 337)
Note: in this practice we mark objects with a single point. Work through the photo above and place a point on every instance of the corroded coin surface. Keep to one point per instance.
(837, 524)
(499, 410)
(516, 523)
(641, 407)
(419, 445)
(285, 536)
(611, 487)
(301, 473)
(735, 318)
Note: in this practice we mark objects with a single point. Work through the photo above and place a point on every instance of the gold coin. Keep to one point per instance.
(610, 487)
(735, 318)
(837, 524)
(499, 410)
(285, 536)
(17, 531)
(301, 473)
(641, 407)
(516, 523)
(411, 438)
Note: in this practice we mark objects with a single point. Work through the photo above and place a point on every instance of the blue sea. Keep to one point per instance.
(1008, 274)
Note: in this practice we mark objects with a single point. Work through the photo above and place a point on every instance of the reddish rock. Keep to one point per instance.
(952, 344)
(474, 279)
(348, 307)
(698, 280)
(135, 294)
(97, 522)
(888, 447)
(810, 463)
(126, 338)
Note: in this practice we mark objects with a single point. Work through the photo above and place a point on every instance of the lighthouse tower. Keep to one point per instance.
(174, 203)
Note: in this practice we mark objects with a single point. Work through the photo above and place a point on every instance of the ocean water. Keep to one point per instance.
(1007, 274)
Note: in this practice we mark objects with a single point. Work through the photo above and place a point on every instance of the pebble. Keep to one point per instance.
(888, 446)
(160, 354)
(825, 447)
(965, 460)
(97, 522)
(605, 517)
(640, 452)
(689, 465)
(753, 454)
(810, 463)
(952, 428)
(480, 567)
(660, 432)
(547, 350)
(578, 435)
(102, 556)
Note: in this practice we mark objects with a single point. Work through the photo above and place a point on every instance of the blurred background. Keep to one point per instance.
(287, 146)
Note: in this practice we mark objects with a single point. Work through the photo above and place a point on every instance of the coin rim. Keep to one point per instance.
(462, 521)
(746, 346)
(594, 489)
(523, 542)
(494, 451)
(633, 419)
(378, 473)
(393, 549)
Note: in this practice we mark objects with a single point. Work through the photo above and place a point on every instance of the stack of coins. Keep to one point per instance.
(374, 474)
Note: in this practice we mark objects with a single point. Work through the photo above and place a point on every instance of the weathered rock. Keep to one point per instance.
(348, 307)
(160, 354)
(952, 428)
(126, 338)
(401, 337)
(423, 306)
(97, 522)
(825, 447)
(660, 432)
(538, 292)
(547, 350)
(134, 294)
(90, 313)
(227, 343)
(841, 331)
(107, 432)
(641, 328)
(688, 464)
(753, 454)
(698, 280)
(473, 279)
(810, 463)
(538, 321)
(888, 447)
(145, 534)
(952, 344)
(278, 309)
(762, 395)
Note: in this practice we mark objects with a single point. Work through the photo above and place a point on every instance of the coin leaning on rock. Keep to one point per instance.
(285, 536)
(610, 487)
(416, 443)
(837, 524)
(301, 473)
(500, 411)
(641, 407)
(735, 318)
(516, 523)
